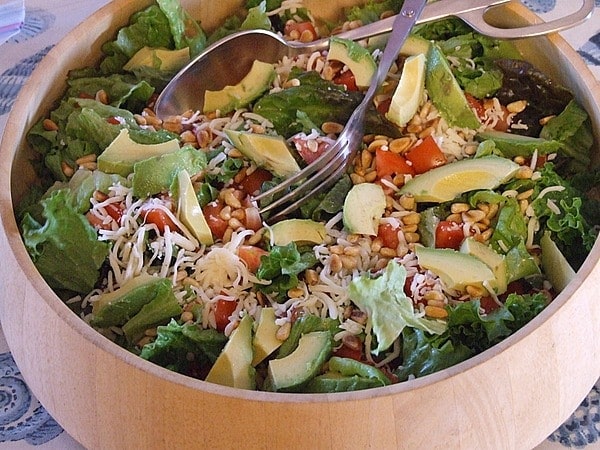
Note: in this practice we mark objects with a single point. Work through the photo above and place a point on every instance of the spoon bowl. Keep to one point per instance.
(227, 61)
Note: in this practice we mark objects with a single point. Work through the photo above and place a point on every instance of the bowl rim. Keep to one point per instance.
(9, 145)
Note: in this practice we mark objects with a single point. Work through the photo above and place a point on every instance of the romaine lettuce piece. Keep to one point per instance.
(176, 342)
(388, 307)
(65, 248)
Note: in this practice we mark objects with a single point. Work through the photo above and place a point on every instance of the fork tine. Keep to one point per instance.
(331, 179)
(333, 164)
(313, 167)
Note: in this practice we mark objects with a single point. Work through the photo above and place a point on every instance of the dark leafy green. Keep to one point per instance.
(175, 343)
(320, 100)
(282, 266)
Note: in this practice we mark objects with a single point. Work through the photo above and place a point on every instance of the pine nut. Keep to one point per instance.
(348, 262)
(407, 201)
(413, 218)
(412, 238)
(378, 143)
(311, 277)
(187, 316)
(365, 159)
(434, 295)
(102, 97)
(335, 263)
(475, 291)
(517, 107)
(436, 312)
(457, 208)
(400, 145)
(351, 341)
(49, 125)
(283, 332)
(356, 178)
(352, 251)
(545, 120)
(387, 252)
(525, 194)
(86, 159)
(524, 173)
(473, 216)
(332, 128)
(370, 176)
(295, 293)
(67, 169)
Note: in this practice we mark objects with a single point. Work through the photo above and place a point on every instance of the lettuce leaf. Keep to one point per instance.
(174, 344)
(282, 266)
(185, 30)
(149, 27)
(65, 248)
(389, 309)
(469, 332)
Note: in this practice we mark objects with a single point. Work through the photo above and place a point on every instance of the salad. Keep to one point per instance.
(469, 207)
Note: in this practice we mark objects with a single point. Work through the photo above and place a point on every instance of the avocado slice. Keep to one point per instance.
(445, 92)
(409, 92)
(118, 306)
(301, 231)
(363, 207)
(270, 152)
(444, 183)
(122, 153)
(190, 212)
(159, 58)
(555, 265)
(357, 58)
(154, 175)
(265, 339)
(456, 270)
(512, 145)
(142, 302)
(492, 259)
(252, 86)
(233, 367)
(291, 373)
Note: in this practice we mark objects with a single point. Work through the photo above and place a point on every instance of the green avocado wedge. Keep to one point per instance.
(445, 93)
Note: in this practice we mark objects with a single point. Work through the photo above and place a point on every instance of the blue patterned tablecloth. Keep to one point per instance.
(24, 423)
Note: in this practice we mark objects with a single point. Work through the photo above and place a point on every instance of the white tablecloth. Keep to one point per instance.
(23, 421)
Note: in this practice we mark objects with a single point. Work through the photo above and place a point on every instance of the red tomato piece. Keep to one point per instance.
(115, 211)
(488, 304)
(449, 234)
(388, 234)
(347, 352)
(346, 78)
(95, 221)
(307, 153)
(113, 120)
(159, 218)
(476, 104)
(388, 164)
(426, 156)
(254, 181)
(223, 310)
(384, 106)
(251, 255)
(296, 29)
(216, 224)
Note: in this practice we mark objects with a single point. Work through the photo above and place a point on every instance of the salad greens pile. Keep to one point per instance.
(65, 248)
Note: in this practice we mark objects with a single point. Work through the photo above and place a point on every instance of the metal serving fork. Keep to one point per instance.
(330, 166)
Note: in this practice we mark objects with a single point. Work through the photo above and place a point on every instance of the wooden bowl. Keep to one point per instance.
(511, 396)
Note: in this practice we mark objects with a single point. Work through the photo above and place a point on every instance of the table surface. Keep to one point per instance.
(24, 423)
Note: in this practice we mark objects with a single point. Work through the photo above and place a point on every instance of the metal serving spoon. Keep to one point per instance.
(228, 60)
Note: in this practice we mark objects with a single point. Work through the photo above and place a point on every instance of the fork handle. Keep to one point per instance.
(403, 23)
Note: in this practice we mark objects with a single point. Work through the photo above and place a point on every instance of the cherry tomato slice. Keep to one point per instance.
(449, 234)
(223, 310)
(426, 156)
(388, 234)
(251, 255)
(388, 164)
(346, 78)
(217, 225)
(159, 218)
(252, 183)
